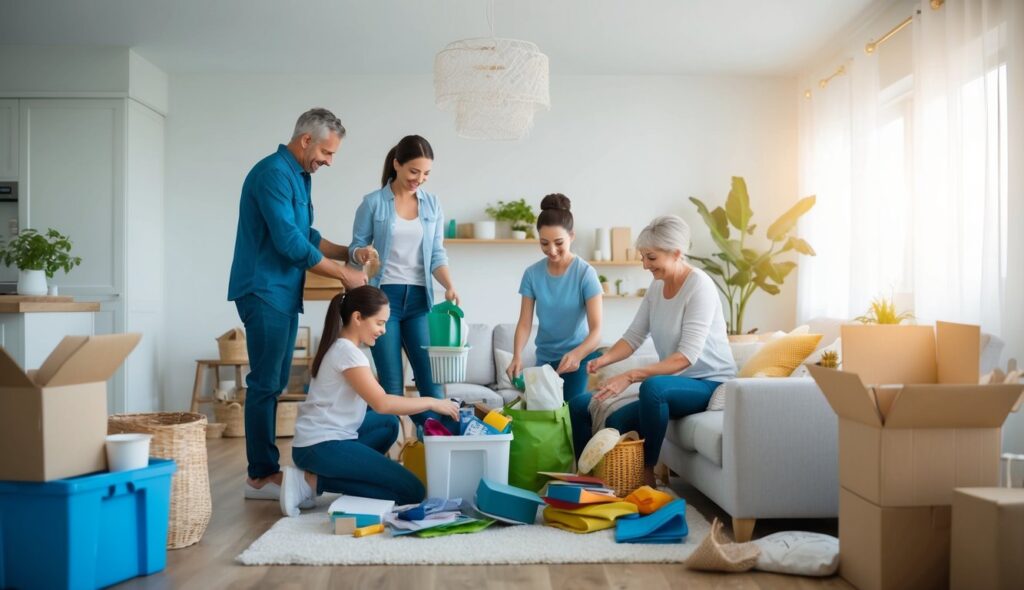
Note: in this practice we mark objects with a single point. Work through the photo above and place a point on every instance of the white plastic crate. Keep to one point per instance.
(456, 464)
(448, 363)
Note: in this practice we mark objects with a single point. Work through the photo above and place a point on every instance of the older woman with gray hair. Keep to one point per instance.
(682, 314)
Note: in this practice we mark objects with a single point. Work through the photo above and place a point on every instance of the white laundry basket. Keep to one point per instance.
(456, 464)
(448, 363)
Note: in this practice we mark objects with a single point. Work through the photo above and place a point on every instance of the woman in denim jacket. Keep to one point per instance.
(403, 226)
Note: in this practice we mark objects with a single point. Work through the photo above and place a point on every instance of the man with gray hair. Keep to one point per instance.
(274, 247)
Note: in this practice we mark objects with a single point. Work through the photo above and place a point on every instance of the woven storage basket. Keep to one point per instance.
(180, 436)
(286, 414)
(232, 414)
(622, 469)
(231, 346)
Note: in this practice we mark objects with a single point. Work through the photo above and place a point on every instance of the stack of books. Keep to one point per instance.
(582, 504)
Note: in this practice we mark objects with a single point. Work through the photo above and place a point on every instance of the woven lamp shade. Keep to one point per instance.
(493, 85)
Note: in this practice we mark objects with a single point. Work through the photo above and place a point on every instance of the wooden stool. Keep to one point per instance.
(212, 367)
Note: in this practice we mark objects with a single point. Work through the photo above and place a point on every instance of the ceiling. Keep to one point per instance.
(742, 37)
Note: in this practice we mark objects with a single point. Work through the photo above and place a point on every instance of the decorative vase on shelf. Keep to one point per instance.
(518, 234)
(604, 243)
(31, 282)
(484, 230)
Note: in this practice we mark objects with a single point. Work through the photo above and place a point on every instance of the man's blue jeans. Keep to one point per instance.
(270, 339)
(360, 467)
(408, 330)
(662, 398)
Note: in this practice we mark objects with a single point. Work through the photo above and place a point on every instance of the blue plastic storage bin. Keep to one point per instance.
(85, 532)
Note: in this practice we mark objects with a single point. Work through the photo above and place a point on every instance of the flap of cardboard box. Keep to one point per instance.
(11, 374)
(958, 351)
(890, 354)
(847, 395)
(953, 406)
(96, 359)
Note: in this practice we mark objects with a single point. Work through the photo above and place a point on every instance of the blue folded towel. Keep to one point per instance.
(667, 525)
(430, 506)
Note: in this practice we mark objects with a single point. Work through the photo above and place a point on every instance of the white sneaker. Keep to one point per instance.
(294, 491)
(272, 491)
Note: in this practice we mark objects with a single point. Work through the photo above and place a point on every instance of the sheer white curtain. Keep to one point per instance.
(913, 192)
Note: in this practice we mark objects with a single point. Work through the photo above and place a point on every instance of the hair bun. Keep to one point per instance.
(556, 201)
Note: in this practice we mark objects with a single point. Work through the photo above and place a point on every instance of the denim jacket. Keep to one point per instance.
(375, 220)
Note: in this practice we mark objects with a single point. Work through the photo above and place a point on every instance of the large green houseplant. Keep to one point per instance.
(518, 213)
(38, 257)
(740, 269)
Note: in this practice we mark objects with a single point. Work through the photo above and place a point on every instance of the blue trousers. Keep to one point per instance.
(575, 383)
(662, 398)
(270, 340)
(360, 467)
(408, 330)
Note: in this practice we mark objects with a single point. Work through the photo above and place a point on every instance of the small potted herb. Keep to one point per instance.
(518, 213)
(604, 284)
(38, 257)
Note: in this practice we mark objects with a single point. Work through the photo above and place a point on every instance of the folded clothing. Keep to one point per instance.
(648, 499)
(667, 525)
(430, 506)
(590, 518)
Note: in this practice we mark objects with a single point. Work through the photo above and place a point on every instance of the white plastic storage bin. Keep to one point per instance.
(448, 363)
(456, 464)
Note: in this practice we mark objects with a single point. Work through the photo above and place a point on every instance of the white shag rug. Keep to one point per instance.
(309, 540)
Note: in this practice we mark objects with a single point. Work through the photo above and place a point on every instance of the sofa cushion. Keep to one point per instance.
(701, 433)
(472, 393)
(504, 335)
(480, 364)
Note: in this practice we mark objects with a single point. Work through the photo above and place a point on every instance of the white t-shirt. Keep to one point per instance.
(332, 410)
(690, 323)
(405, 261)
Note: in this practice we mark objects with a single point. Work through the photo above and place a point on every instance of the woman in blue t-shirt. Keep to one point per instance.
(565, 292)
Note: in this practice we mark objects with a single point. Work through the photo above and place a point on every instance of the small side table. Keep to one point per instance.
(213, 366)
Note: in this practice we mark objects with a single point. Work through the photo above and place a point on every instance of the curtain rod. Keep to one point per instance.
(871, 46)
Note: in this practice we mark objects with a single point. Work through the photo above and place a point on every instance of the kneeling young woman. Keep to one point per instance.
(348, 423)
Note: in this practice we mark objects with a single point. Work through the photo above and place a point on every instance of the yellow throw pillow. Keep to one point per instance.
(779, 358)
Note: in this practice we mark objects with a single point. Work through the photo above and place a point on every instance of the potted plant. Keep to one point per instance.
(518, 213)
(883, 311)
(618, 287)
(38, 257)
(604, 284)
(740, 269)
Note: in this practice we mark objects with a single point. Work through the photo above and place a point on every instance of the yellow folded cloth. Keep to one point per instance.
(590, 518)
(648, 499)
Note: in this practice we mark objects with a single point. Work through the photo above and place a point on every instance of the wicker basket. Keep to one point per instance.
(215, 430)
(286, 414)
(622, 469)
(180, 436)
(231, 346)
(232, 414)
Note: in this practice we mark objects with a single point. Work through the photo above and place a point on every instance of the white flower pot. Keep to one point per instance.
(484, 230)
(518, 235)
(31, 282)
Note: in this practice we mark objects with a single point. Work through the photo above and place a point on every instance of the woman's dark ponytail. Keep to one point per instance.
(410, 148)
(367, 300)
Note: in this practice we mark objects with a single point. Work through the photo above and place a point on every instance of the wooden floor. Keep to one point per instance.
(236, 523)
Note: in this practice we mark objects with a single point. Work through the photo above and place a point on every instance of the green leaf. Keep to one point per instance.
(766, 269)
(765, 285)
(795, 243)
(723, 242)
(721, 223)
(751, 228)
(782, 269)
(737, 205)
(709, 265)
(787, 221)
(740, 279)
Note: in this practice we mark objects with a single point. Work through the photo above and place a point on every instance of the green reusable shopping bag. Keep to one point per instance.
(541, 441)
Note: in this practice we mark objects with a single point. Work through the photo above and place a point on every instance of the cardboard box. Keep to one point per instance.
(621, 242)
(53, 422)
(912, 444)
(897, 548)
(988, 538)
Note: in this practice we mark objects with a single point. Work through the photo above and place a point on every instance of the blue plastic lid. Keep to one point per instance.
(83, 483)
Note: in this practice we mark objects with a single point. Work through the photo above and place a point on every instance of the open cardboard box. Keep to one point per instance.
(53, 421)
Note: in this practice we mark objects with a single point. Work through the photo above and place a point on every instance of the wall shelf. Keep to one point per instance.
(615, 262)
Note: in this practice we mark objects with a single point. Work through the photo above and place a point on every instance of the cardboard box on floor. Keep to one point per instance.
(913, 425)
(913, 421)
(988, 538)
(53, 421)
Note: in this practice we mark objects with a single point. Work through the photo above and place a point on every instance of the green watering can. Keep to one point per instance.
(445, 321)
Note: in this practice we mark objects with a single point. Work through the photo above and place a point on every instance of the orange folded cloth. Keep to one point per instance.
(648, 499)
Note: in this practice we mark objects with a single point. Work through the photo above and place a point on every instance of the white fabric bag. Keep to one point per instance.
(543, 388)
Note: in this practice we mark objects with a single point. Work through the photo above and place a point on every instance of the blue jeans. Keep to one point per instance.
(575, 383)
(360, 467)
(662, 398)
(270, 340)
(407, 329)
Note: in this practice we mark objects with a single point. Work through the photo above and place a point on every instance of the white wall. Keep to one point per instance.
(625, 149)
